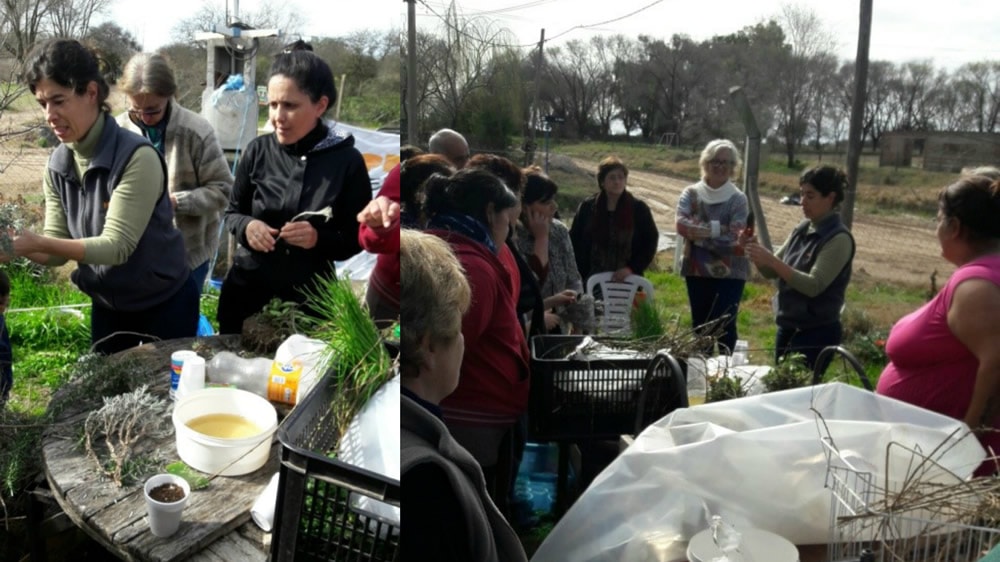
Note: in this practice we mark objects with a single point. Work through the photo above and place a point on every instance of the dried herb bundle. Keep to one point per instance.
(122, 423)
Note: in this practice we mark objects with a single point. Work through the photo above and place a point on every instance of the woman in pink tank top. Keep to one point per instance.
(946, 356)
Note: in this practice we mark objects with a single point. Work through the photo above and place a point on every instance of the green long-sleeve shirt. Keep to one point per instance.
(829, 263)
(129, 209)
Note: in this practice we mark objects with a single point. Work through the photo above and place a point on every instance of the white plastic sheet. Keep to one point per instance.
(372, 442)
(757, 462)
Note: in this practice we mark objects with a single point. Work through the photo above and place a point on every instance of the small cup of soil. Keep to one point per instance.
(166, 496)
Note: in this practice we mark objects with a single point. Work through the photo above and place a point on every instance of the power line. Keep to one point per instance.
(463, 33)
(598, 24)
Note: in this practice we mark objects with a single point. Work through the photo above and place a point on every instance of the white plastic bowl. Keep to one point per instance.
(215, 455)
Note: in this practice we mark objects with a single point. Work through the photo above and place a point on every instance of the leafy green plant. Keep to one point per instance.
(790, 372)
(356, 353)
(51, 328)
(647, 322)
(724, 387)
(195, 479)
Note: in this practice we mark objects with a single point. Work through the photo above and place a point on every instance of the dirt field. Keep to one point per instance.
(894, 249)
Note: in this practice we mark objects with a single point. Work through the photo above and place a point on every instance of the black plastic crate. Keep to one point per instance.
(314, 518)
(578, 400)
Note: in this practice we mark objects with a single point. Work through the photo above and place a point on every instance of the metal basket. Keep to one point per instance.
(860, 531)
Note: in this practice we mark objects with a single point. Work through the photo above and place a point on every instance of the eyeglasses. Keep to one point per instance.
(720, 163)
(145, 112)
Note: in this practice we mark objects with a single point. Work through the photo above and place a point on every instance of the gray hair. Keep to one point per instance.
(713, 148)
(148, 73)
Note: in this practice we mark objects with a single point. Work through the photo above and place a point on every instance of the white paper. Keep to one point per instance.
(262, 511)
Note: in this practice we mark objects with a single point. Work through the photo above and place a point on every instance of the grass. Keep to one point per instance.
(879, 190)
(871, 311)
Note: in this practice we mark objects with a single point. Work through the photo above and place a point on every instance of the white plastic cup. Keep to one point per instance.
(165, 518)
(177, 359)
(192, 376)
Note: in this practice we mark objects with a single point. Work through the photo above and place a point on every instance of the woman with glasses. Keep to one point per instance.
(711, 215)
(107, 207)
(197, 173)
(613, 230)
(296, 197)
(813, 268)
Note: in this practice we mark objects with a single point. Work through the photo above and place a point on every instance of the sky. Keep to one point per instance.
(327, 18)
(949, 33)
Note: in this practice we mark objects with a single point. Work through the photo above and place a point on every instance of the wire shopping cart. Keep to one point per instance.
(919, 520)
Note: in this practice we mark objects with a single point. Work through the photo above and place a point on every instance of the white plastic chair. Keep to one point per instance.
(617, 298)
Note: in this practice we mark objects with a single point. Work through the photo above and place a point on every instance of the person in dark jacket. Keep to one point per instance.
(448, 513)
(612, 230)
(813, 268)
(296, 197)
(107, 207)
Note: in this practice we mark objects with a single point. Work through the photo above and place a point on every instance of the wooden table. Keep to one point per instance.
(216, 524)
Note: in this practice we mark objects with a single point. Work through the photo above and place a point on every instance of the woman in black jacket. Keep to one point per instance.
(296, 196)
(613, 230)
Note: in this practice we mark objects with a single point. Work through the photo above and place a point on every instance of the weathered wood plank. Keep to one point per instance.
(216, 522)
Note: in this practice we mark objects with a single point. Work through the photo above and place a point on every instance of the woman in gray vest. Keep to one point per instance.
(448, 513)
(813, 268)
(107, 208)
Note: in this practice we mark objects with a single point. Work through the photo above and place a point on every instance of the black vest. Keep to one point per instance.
(796, 310)
(157, 267)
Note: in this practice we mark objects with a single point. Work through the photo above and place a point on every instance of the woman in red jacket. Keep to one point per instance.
(473, 211)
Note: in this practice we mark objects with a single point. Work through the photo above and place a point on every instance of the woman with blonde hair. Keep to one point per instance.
(197, 173)
(449, 515)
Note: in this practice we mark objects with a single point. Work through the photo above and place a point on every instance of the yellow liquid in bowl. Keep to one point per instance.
(224, 426)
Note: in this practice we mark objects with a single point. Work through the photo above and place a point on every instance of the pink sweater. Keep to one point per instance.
(929, 366)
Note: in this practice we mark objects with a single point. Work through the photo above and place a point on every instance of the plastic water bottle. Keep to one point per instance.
(228, 369)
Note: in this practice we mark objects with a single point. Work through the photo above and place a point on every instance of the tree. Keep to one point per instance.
(21, 24)
(978, 87)
(800, 81)
(457, 65)
(71, 18)
(113, 47)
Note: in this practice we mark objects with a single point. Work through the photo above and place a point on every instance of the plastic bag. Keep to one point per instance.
(372, 442)
(296, 368)
(758, 462)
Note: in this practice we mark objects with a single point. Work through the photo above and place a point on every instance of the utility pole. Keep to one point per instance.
(529, 152)
(857, 112)
(411, 72)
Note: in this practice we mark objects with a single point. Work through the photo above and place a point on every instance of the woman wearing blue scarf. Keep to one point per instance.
(473, 211)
